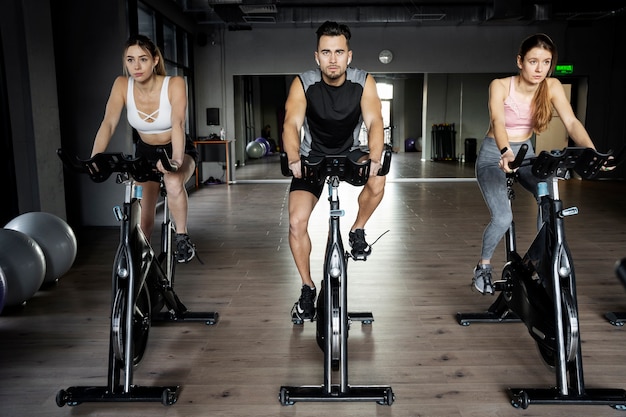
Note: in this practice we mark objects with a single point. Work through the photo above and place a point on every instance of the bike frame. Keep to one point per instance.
(333, 170)
(540, 287)
(136, 270)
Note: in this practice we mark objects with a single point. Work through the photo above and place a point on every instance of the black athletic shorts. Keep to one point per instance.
(150, 151)
(316, 189)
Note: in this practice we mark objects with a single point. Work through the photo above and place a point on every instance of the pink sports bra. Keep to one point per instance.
(517, 114)
(161, 118)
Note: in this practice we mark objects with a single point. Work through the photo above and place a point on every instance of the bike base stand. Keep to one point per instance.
(166, 395)
(523, 397)
(498, 312)
(365, 318)
(381, 394)
(167, 316)
(464, 319)
(616, 319)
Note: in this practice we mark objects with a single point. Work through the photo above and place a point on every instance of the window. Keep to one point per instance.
(385, 92)
(173, 42)
(145, 21)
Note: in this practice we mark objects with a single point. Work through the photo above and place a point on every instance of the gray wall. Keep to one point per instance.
(89, 57)
(33, 106)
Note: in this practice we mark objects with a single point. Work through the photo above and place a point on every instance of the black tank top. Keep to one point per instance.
(333, 115)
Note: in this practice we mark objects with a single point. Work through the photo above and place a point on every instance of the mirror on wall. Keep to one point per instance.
(413, 106)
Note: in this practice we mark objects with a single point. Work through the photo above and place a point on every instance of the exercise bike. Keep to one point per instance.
(539, 288)
(142, 283)
(333, 318)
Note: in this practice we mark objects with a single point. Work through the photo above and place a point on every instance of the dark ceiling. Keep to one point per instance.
(248, 14)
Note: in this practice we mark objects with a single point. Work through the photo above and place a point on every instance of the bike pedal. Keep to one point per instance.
(500, 285)
(359, 256)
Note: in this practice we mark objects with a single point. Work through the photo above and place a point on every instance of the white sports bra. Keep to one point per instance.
(161, 118)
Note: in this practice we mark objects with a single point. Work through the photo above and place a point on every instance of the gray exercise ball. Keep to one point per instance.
(55, 237)
(255, 150)
(3, 287)
(23, 264)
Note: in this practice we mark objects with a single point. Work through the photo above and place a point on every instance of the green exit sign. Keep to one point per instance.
(564, 69)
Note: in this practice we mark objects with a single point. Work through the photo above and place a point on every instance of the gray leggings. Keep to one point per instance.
(492, 183)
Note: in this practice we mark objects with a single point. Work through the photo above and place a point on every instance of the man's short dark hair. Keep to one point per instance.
(329, 28)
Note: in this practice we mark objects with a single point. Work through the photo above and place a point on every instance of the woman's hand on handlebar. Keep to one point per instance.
(505, 161)
(173, 165)
(509, 162)
(610, 164)
(165, 164)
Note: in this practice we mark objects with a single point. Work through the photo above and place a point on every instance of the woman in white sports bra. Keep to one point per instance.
(156, 107)
(519, 106)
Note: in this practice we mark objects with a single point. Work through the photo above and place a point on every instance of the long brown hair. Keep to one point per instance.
(542, 107)
(149, 47)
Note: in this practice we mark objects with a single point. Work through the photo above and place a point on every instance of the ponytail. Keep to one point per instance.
(542, 107)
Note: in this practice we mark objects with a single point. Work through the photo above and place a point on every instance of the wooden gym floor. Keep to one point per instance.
(416, 280)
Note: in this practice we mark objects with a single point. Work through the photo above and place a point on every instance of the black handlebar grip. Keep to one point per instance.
(617, 158)
(165, 160)
(71, 161)
(284, 165)
(384, 169)
(517, 162)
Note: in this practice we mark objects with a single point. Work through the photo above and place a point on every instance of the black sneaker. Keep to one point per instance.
(360, 248)
(185, 250)
(304, 308)
(482, 279)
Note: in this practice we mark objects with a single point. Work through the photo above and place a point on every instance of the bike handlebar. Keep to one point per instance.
(519, 158)
(355, 173)
(587, 162)
(102, 165)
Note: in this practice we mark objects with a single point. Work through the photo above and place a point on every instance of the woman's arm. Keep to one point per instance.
(497, 94)
(113, 110)
(498, 91)
(178, 100)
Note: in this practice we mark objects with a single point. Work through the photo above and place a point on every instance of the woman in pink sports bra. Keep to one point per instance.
(519, 107)
(156, 107)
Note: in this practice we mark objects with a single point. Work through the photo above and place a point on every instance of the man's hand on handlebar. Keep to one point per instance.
(375, 167)
(296, 168)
